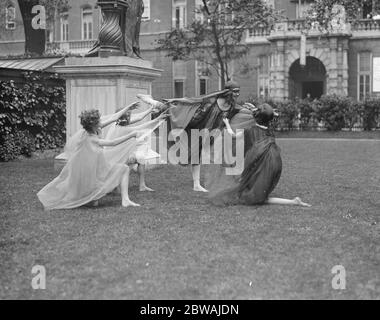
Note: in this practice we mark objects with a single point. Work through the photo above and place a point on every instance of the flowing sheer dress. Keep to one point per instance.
(87, 175)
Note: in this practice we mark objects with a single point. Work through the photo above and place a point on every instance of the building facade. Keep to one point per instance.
(346, 62)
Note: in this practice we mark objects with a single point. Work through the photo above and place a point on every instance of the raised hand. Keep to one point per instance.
(226, 122)
(133, 106)
(164, 115)
(250, 106)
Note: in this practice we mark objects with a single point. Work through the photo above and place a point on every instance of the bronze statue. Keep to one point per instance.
(120, 31)
(133, 17)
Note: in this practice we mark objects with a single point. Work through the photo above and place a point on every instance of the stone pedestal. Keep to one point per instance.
(106, 84)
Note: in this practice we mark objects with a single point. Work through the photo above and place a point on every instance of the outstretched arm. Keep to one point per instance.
(107, 120)
(229, 129)
(117, 141)
(140, 116)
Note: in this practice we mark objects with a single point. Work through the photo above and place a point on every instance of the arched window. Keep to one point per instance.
(87, 23)
(10, 20)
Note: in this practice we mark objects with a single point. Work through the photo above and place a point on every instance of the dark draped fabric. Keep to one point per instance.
(197, 113)
(262, 168)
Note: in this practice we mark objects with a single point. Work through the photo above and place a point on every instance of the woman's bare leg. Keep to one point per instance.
(126, 202)
(196, 172)
(141, 172)
(294, 202)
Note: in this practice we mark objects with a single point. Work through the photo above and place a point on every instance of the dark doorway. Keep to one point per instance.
(312, 89)
(308, 79)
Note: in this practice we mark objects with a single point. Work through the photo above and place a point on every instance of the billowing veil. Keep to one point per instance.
(91, 171)
(74, 142)
(86, 176)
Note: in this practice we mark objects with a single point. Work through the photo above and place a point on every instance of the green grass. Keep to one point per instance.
(178, 246)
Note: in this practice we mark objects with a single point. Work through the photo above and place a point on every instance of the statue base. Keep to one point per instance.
(103, 83)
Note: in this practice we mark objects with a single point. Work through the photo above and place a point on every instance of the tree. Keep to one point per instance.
(35, 37)
(215, 37)
(322, 14)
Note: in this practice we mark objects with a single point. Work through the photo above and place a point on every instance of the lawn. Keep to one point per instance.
(178, 246)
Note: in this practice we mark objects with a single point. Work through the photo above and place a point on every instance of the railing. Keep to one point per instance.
(74, 46)
(366, 25)
(259, 32)
(296, 26)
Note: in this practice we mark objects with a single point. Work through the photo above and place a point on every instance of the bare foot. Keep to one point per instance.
(145, 188)
(299, 202)
(129, 203)
(199, 189)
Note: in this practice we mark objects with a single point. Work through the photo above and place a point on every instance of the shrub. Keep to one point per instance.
(332, 110)
(306, 112)
(288, 114)
(32, 117)
(370, 113)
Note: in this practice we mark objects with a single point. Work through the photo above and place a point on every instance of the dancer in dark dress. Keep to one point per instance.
(205, 112)
(262, 164)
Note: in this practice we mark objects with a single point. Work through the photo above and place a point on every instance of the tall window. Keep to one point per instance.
(364, 75)
(179, 88)
(179, 14)
(10, 12)
(203, 86)
(87, 23)
(179, 76)
(65, 28)
(263, 76)
(202, 79)
(146, 14)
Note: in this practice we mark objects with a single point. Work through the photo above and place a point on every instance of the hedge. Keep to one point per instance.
(32, 116)
(330, 112)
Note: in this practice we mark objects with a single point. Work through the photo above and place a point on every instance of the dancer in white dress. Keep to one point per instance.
(88, 176)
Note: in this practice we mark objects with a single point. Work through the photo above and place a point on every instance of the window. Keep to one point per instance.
(65, 28)
(10, 12)
(179, 76)
(179, 14)
(146, 14)
(202, 78)
(364, 75)
(179, 88)
(263, 73)
(87, 24)
(203, 84)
